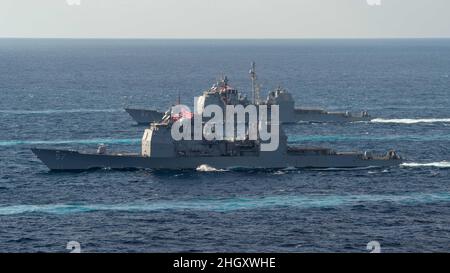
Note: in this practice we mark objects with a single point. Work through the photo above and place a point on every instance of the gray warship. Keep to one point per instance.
(289, 113)
(160, 151)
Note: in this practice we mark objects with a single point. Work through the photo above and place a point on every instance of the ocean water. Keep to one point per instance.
(70, 94)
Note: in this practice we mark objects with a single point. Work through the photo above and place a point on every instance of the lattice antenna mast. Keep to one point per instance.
(255, 85)
(178, 99)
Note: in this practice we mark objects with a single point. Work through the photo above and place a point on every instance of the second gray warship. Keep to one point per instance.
(289, 113)
(160, 150)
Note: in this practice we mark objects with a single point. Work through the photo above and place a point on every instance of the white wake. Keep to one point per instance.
(411, 121)
(442, 165)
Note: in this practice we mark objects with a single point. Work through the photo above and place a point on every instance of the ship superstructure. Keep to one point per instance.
(288, 111)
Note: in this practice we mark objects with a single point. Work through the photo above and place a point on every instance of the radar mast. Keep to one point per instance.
(255, 86)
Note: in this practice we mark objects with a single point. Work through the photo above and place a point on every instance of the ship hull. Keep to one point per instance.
(65, 160)
(145, 117)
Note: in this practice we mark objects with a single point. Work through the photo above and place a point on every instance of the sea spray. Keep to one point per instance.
(207, 168)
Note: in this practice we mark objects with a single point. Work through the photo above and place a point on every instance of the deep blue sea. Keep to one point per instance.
(71, 94)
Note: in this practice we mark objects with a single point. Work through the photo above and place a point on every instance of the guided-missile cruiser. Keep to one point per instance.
(160, 150)
(159, 153)
(289, 113)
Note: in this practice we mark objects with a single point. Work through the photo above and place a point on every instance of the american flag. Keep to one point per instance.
(184, 113)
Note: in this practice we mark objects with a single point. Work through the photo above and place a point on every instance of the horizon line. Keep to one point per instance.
(219, 38)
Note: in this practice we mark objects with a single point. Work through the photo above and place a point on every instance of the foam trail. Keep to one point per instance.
(344, 138)
(72, 141)
(227, 205)
(292, 140)
(57, 111)
(441, 165)
(411, 121)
